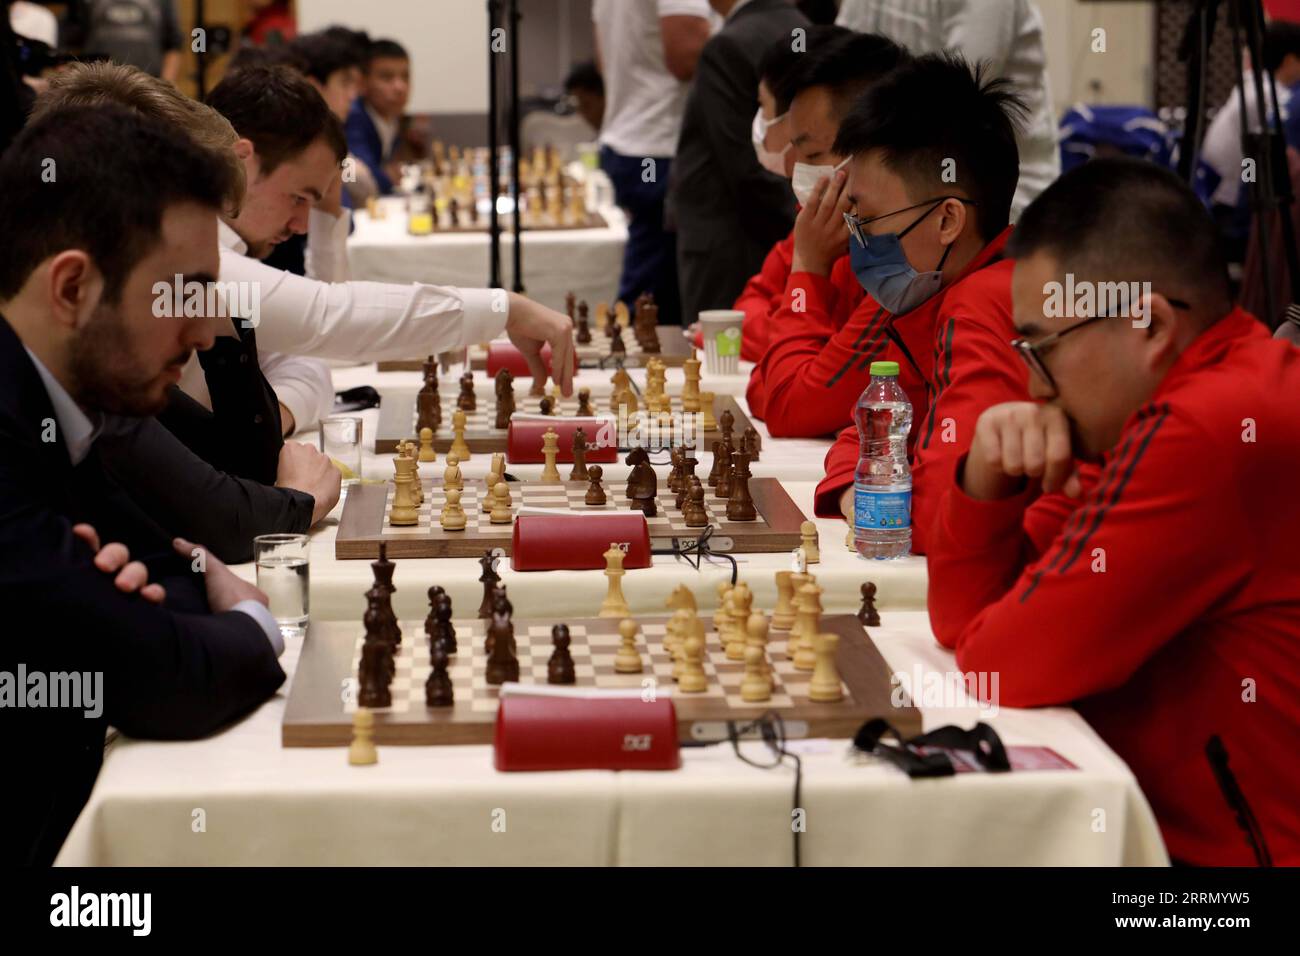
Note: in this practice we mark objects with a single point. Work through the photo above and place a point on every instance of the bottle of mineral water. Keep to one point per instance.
(882, 485)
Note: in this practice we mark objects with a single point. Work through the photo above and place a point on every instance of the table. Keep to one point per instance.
(587, 262)
(239, 798)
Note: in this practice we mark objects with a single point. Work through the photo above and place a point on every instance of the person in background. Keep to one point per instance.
(141, 33)
(1008, 34)
(374, 124)
(333, 65)
(729, 210)
(271, 24)
(585, 88)
(647, 52)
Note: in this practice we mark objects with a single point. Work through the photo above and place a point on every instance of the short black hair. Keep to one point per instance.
(359, 40)
(847, 64)
(1280, 38)
(384, 48)
(248, 55)
(98, 178)
(325, 54)
(585, 76)
(935, 108)
(782, 59)
(1126, 219)
(279, 111)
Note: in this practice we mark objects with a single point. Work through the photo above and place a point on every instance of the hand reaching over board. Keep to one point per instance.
(530, 326)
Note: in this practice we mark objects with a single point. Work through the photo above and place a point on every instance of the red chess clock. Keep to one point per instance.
(525, 433)
(578, 542)
(566, 728)
(503, 354)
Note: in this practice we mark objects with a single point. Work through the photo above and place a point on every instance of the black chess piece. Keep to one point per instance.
(675, 455)
(584, 326)
(694, 514)
(584, 403)
(502, 664)
(467, 401)
(641, 480)
(868, 616)
(431, 628)
(595, 492)
(437, 689)
(559, 669)
(749, 442)
(570, 302)
(616, 346)
(446, 630)
(740, 505)
(428, 406)
(684, 482)
(383, 570)
(717, 465)
(723, 488)
(579, 470)
(490, 579)
(505, 395)
(544, 406)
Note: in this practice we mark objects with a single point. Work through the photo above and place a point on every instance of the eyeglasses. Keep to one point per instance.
(1033, 352)
(855, 224)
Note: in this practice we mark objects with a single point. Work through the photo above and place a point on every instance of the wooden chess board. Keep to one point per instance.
(322, 697)
(364, 524)
(542, 223)
(674, 349)
(398, 416)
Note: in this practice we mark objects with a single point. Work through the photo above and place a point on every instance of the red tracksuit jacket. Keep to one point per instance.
(971, 366)
(760, 297)
(1167, 605)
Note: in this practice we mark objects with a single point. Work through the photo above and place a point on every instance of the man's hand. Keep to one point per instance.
(305, 469)
(820, 236)
(1016, 441)
(225, 589)
(132, 577)
(530, 326)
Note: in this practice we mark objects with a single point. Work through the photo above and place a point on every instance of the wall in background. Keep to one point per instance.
(1123, 74)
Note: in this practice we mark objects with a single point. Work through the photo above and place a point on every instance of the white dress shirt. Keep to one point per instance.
(79, 431)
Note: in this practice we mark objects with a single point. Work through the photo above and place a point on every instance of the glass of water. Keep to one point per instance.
(283, 561)
(340, 439)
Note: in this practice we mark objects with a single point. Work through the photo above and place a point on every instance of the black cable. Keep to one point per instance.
(698, 551)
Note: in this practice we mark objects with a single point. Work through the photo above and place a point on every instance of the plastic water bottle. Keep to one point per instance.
(882, 485)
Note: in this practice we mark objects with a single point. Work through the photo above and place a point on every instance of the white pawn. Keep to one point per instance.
(693, 680)
(488, 486)
(825, 686)
(452, 517)
(627, 660)
(427, 453)
(458, 446)
(362, 753)
(500, 504)
(754, 686)
(451, 477)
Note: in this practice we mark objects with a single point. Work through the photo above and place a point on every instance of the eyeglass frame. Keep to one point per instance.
(855, 224)
(1033, 352)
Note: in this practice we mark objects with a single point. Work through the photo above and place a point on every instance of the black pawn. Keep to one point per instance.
(868, 616)
(489, 579)
(446, 631)
(437, 689)
(559, 669)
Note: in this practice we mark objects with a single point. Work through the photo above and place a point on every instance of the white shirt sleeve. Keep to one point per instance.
(684, 8)
(303, 385)
(327, 246)
(262, 616)
(363, 321)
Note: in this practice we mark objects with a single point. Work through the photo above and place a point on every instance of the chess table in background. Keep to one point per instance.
(364, 523)
(322, 698)
(674, 349)
(398, 414)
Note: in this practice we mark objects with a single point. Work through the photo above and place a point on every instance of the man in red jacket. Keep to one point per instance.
(820, 290)
(932, 178)
(1167, 605)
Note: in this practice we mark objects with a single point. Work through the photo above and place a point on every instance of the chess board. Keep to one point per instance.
(398, 415)
(322, 697)
(364, 524)
(540, 223)
(674, 349)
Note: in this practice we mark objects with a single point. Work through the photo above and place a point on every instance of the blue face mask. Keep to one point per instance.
(882, 267)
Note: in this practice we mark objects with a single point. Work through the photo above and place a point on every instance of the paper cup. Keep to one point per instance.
(722, 331)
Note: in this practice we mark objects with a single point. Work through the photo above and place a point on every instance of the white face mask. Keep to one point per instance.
(806, 176)
(772, 162)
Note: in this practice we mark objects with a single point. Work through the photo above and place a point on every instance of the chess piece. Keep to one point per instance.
(428, 405)
(489, 579)
(452, 517)
(551, 452)
(707, 422)
(754, 686)
(808, 539)
(616, 346)
(502, 664)
(694, 514)
(570, 303)
(868, 616)
(579, 470)
(427, 453)
(438, 690)
(505, 394)
(756, 636)
(458, 446)
(584, 403)
(716, 469)
(362, 752)
(500, 504)
(736, 606)
(559, 669)
(402, 512)
(545, 406)
(447, 629)
(431, 620)
(584, 327)
(727, 422)
(614, 605)
(783, 613)
(825, 686)
(451, 476)
(749, 442)
(602, 315)
(489, 483)
(499, 464)
(692, 680)
(466, 401)
(628, 659)
(723, 488)
(618, 382)
(691, 387)
(810, 610)
(553, 393)
(740, 505)
(642, 482)
(797, 580)
(595, 493)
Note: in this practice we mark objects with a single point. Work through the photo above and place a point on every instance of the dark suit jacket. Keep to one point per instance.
(724, 203)
(172, 672)
(364, 143)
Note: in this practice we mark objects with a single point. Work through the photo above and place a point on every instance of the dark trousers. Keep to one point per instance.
(650, 258)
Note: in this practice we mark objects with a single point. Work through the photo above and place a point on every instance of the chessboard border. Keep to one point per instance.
(672, 355)
(361, 527)
(313, 715)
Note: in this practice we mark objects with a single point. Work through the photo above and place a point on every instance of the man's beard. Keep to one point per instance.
(106, 377)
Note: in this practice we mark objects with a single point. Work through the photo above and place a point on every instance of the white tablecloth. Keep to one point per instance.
(585, 261)
(240, 798)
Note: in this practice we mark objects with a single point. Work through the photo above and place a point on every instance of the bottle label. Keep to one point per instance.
(882, 510)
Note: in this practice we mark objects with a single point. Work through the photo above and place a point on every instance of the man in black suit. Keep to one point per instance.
(728, 209)
(99, 205)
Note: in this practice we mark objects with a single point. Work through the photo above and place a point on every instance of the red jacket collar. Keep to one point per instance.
(1208, 347)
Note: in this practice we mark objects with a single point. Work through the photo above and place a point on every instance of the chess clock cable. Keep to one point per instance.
(699, 551)
(771, 729)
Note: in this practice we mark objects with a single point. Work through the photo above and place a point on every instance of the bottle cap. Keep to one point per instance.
(884, 368)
